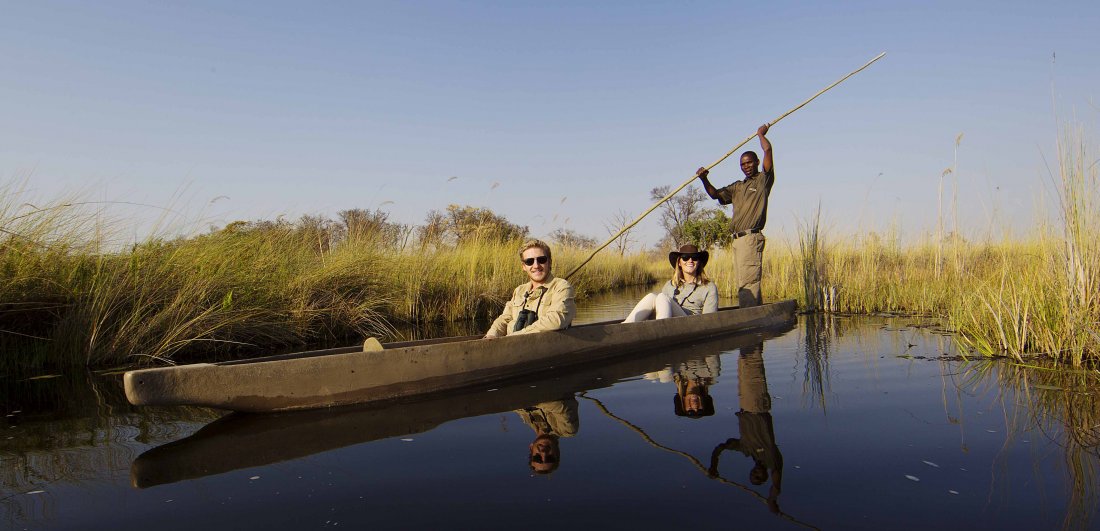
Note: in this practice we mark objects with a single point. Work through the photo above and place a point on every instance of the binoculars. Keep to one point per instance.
(524, 319)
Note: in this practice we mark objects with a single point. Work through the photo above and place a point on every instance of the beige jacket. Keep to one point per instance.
(556, 311)
(559, 417)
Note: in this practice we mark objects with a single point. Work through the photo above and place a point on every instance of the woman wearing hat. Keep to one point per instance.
(689, 292)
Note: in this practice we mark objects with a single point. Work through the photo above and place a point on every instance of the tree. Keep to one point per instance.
(619, 220)
(710, 228)
(465, 224)
(677, 211)
(571, 238)
(374, 225)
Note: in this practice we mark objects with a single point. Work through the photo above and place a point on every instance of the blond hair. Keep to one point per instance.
(701, 277)
(529, 244)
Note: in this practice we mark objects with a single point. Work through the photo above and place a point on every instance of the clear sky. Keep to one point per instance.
(550, 113)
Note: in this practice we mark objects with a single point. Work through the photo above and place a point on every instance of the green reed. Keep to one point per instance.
(68, 302)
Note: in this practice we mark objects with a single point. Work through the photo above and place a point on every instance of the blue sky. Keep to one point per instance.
(550, 113)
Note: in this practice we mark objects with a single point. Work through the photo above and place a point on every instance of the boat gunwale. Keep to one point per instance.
(456, 363)
(402, 344)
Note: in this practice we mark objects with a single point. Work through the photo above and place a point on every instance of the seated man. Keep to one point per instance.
(541, 304)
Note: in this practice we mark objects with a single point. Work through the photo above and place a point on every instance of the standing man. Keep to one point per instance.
(750, 211)
(543, 303)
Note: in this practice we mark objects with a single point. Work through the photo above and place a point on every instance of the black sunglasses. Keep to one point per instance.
(691, 256)
(531, 261)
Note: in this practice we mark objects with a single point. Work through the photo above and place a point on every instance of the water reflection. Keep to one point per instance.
(818, 332)
(847, 423)
(754, 421)
(1065, 407)
(693, 379)
(551, 421)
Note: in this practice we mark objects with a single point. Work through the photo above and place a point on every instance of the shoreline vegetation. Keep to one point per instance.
(1017, 297)
(255, 287)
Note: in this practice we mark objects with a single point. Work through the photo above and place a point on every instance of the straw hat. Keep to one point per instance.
(689, 249)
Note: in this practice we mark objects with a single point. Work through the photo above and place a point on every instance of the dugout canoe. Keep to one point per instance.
(239, 441)
(350, 375)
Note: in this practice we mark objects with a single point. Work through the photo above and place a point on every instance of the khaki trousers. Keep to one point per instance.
(748, 257)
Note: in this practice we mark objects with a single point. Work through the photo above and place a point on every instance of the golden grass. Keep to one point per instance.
(66, 302)
(1038, 294)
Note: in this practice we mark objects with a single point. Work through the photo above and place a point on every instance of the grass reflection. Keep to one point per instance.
(1062, 405)
(75, 429)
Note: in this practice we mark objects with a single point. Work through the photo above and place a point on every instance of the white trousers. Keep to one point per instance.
(655, 303)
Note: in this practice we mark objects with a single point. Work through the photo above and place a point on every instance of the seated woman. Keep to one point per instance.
(689, 292)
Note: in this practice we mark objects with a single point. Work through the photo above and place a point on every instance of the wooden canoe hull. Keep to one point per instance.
(350, 376)
(237, 441)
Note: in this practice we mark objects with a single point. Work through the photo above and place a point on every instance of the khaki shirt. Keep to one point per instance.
(750, 201)
(694, 298)
(556, 311)
(559, 417)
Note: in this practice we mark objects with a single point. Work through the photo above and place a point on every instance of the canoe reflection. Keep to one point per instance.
(239, 440)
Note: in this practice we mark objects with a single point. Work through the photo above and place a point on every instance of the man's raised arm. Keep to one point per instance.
(766, 146)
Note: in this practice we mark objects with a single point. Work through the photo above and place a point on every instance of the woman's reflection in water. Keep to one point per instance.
(693, 379)
(550, 421)
(755, 425)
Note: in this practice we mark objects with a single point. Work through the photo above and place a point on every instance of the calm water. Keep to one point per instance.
(845, 423)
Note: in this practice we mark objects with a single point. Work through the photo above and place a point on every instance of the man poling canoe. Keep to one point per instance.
(630, 225)
(749, 198)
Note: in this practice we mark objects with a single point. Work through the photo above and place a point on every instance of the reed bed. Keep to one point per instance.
(1009, 297)
(65, 301)
(1039, 294)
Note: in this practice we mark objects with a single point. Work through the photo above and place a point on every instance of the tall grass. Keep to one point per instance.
(1008, 297)
(1021, 296)
(66, 301)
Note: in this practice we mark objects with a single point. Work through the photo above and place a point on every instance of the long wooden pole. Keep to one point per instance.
(717, 162)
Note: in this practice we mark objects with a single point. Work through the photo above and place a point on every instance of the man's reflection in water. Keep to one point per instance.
(755, 423)
(551, 421)
(693, 379)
